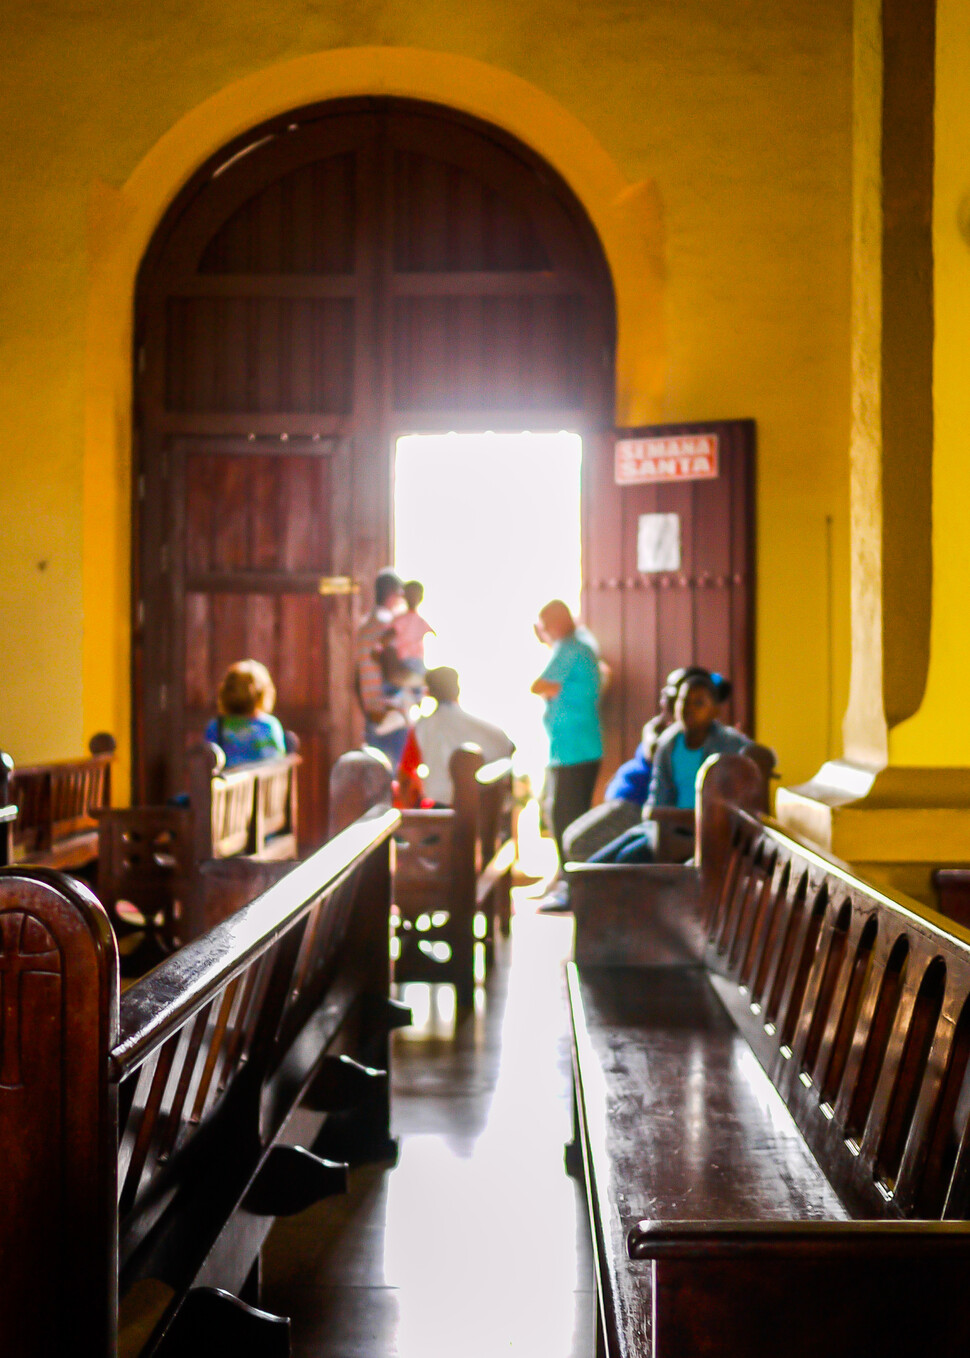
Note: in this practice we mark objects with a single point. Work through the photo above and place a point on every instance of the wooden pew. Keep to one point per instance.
(452, 864)
(151, 857)
(149, 1141)
(56, 823)
(772, 1097)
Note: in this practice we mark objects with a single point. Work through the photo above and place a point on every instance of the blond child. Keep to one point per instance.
(245, 728)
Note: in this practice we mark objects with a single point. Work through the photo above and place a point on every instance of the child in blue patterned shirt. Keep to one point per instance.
(245, 728)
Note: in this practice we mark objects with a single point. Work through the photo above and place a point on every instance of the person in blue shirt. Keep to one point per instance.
(677, 759)
(245, 728)
(570, 685)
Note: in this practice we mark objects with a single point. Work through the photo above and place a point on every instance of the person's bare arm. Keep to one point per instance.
(545, 688)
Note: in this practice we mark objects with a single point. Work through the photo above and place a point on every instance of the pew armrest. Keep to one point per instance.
(648, 915)
(842, 1240)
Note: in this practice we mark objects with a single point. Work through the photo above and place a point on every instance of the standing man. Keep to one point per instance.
(570, 685)
(381, 730)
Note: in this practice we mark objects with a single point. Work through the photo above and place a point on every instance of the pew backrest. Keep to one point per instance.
(455, 861)
(250, 809)
(56, 824)
(857, 1003)
(152, 857)
(855, 1000)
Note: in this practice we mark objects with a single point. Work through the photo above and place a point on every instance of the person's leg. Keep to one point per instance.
(635, 840)
(637, 850)
(572, 793)
(598, 827)
(572, 796)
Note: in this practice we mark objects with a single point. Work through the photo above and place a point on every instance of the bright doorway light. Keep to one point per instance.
(490, 524)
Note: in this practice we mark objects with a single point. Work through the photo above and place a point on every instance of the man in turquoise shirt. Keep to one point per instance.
(570, 685)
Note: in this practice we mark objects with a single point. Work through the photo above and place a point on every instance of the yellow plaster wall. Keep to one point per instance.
(939, 733)
(733, 122)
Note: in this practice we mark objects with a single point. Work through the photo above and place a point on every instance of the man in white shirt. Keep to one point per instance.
(448, 727)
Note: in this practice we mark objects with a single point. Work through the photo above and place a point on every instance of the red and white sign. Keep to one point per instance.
(675, 457)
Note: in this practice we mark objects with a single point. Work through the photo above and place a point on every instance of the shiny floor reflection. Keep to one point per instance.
(475, 1244)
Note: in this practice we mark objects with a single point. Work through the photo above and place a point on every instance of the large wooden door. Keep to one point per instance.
(338, 276)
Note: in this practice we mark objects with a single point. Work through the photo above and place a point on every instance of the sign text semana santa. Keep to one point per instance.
(680, 457)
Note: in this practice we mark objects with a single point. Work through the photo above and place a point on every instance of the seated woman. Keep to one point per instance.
(245, 729)
(680, 751)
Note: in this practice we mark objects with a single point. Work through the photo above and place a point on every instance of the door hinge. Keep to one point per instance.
(141, 487)
(140, 613)
(141, 359)
(163, 697)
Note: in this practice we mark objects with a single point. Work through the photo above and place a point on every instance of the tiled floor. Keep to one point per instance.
(474, 1245)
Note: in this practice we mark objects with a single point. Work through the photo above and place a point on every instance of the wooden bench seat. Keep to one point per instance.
(772, 1106)
(148, 1142)
(453, 865)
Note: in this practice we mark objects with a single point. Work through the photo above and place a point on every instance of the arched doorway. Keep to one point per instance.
(341, 275)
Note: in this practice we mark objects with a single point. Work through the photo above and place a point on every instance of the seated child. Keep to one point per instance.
(410, 630)
(679, 753)
(629, 787)
(245, 729)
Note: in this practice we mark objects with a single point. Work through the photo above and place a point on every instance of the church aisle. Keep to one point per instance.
(475, 1245)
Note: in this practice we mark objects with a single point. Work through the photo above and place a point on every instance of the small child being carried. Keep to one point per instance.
(410, 630)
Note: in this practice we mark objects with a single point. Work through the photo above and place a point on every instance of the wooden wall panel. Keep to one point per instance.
(700, 614)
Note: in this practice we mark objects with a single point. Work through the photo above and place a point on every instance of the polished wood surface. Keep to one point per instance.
(56, 824)
(150, 1120)
(475, 1243)
(680, 1122)
(814, 1069)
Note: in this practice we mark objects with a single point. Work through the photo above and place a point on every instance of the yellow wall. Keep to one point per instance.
(939, 734)
(740, 116)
